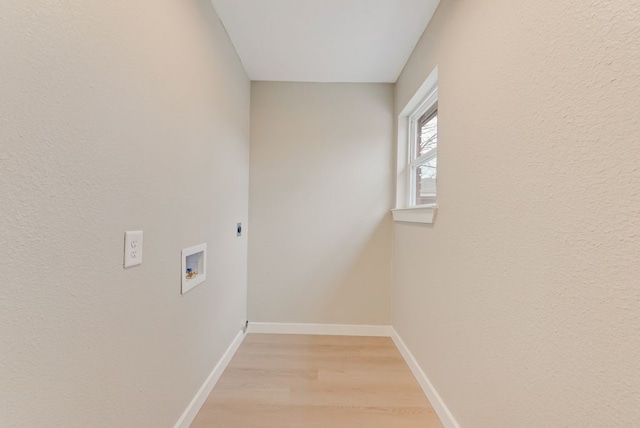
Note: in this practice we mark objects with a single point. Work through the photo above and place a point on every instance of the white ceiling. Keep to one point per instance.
(325, 40)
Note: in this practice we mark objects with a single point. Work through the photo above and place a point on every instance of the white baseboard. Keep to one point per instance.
(325, 329)
(201, 396)
(441, 409)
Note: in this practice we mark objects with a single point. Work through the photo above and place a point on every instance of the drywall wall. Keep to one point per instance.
(521, 301)
(116, 116)
(320, 193)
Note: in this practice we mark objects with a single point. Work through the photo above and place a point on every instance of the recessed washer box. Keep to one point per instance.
(194, 266)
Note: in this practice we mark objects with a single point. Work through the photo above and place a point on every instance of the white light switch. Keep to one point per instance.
(132, 248)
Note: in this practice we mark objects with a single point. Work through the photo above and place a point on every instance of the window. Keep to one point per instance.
(417, 159)
(423, 140)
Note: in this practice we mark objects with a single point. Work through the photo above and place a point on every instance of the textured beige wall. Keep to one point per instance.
(115, 116)
(320, 193)
(521, 302)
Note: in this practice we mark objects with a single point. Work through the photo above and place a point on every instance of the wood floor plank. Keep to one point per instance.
(301, 381)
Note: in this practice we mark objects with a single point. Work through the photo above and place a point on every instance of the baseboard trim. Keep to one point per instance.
(441, 409)
(324, 329)
(201, 396)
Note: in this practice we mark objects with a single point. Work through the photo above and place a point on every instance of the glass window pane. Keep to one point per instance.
(427, 134)
(426, 181)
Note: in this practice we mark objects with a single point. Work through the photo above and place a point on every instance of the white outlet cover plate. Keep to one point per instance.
(132, 248)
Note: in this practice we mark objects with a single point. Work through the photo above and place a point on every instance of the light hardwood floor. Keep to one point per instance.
(300, 381)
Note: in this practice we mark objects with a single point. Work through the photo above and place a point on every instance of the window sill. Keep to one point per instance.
(421, 214)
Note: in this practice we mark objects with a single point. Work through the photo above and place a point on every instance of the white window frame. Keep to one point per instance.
(414, 161)
(424, 99)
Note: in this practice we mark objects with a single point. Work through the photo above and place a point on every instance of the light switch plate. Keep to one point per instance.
(132, 248)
